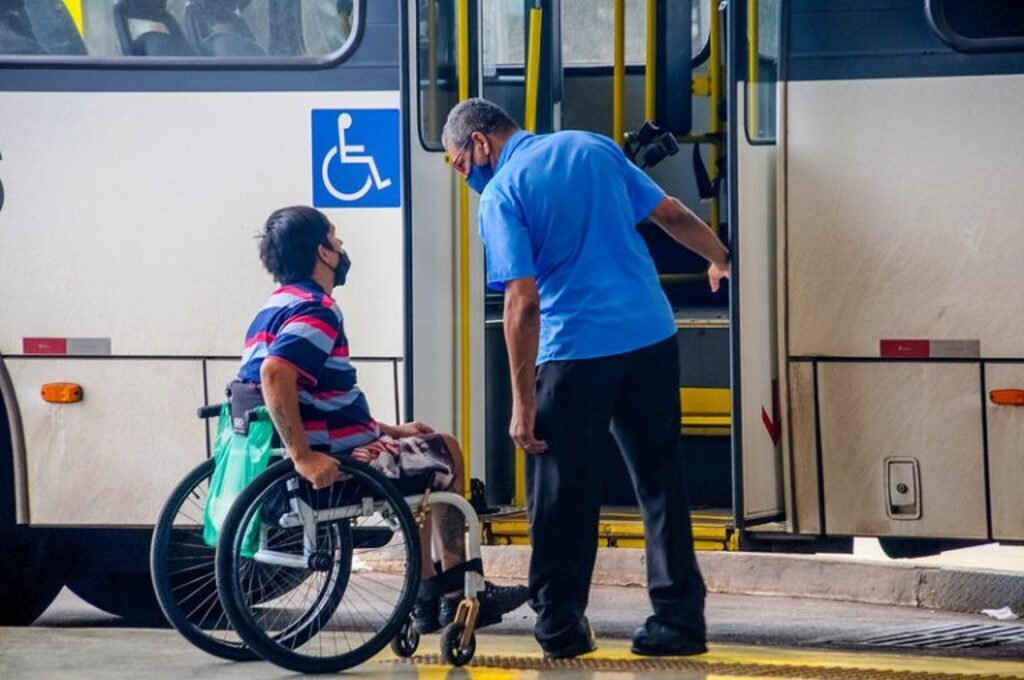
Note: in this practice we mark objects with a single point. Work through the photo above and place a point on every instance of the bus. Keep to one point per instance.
(861, 375)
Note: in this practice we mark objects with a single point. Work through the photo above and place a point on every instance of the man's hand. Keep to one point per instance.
(319, 469)
(521, 429)
(716, 273)
(413, 429)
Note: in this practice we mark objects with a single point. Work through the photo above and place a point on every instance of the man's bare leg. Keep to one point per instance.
(449, 526)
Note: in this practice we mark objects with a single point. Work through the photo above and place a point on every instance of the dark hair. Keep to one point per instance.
(288, 244)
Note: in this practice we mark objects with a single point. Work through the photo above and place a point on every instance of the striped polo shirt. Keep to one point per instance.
(302, 326)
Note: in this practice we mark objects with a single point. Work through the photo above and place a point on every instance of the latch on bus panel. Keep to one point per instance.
(903, 488)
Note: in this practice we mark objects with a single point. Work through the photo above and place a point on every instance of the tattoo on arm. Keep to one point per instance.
(280, 421)
(453, 531)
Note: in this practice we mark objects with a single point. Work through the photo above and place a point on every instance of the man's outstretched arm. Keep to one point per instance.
(681, 224)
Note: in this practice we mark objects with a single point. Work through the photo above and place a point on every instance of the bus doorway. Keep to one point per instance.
(585, 83)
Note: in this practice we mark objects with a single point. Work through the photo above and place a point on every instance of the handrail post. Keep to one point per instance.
(619, 73)
(465, 365)
(650, 69)
(533, 67)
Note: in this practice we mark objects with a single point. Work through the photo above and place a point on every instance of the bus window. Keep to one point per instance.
(979, 25)
(436, 64)
(504, 34)
(203, 29)
(762, 69)
(590, 42)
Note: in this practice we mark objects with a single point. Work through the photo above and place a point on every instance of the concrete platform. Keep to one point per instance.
(822, 577)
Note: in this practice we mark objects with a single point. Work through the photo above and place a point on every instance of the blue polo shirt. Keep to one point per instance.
(564, 208)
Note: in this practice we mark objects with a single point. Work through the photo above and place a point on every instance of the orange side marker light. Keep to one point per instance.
(62, 393)
(1007, 397)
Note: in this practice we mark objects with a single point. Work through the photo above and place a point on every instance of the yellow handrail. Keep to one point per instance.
(752, 61)
(619, 73)
(533, 70)
(650, 70)
(465, 431)
(715, 122)
(75, 10)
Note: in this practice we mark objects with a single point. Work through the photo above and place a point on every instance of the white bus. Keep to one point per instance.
(861, 377)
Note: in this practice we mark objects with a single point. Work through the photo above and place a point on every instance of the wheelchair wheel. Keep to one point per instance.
(452, 651)
(356, 544)
(183, 568)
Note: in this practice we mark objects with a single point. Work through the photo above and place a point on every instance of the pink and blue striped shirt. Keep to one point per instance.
(302, 326)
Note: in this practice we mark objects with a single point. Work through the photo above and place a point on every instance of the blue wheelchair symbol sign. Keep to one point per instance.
(356, 160)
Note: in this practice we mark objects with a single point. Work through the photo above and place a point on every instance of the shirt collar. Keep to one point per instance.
(510, 147)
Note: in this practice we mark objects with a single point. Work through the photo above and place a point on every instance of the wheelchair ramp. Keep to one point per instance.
(713, 529)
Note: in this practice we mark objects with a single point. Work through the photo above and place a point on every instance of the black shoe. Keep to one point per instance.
(656, 639)
(584, 644)
(425, 614)
(494, 601)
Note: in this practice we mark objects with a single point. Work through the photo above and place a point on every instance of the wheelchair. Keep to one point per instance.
(314, 581)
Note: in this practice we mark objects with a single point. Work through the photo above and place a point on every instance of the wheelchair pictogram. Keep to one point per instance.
(355, 158)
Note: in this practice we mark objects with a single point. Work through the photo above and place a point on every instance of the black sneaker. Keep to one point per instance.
(425, 614)
(583, 644)
(494, 601)
(657, 639)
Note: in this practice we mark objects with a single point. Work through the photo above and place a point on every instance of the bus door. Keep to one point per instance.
(143, 146)
(900, 133)
(753, 112)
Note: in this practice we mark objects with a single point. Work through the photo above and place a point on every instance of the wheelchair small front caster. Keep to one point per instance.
(452, 649)
(407, 641)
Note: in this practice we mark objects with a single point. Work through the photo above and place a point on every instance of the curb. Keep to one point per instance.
(814, 577)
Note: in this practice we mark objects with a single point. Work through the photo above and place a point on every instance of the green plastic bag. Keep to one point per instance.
(238, 459)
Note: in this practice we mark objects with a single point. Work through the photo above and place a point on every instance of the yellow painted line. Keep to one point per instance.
(618, 650)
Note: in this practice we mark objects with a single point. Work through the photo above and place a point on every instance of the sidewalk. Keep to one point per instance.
(906, 583)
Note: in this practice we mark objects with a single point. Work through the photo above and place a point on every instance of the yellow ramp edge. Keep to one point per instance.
(511, 657)
(619, 529)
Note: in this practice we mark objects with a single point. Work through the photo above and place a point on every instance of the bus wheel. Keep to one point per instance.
(28, 583)
(128, 595)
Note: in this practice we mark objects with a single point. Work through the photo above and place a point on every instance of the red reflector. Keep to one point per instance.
(44, 345)
(1007, 397)
(905, 349)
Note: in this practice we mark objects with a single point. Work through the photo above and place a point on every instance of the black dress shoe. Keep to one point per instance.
(584, 644)
(656, 639)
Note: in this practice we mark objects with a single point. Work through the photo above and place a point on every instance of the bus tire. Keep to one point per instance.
(127, 595)
(28, 582)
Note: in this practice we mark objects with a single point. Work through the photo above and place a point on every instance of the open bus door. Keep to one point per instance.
(582, 86)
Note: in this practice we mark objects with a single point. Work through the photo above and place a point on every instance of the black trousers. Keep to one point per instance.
(637, 395)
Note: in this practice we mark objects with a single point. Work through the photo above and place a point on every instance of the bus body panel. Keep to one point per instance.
(762, 477)
(150, 251)
(876, 415)
(155, 200)
(893, 196)
(1005, 453)
(901, 222)
(112, 458)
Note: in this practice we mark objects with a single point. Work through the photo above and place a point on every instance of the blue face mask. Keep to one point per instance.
(479, 176)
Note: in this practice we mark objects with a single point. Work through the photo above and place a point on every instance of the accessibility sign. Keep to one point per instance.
(356, 159)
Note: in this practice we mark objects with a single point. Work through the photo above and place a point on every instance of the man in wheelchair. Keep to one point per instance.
(297, 353)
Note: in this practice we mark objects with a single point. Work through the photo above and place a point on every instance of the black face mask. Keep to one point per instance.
(341, 271)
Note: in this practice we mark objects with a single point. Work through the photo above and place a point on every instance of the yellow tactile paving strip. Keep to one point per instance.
(500, 658)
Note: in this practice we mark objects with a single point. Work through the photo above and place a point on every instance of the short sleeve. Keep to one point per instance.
(507, 249)
(644, 193)
(306, 338)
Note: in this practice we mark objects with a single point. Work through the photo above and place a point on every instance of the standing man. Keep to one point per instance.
(592, 344)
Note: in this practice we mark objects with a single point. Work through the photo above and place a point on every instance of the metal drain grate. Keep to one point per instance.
(960, 636)
(740, 670)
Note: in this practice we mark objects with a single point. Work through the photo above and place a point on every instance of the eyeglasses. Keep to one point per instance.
(456, 162)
